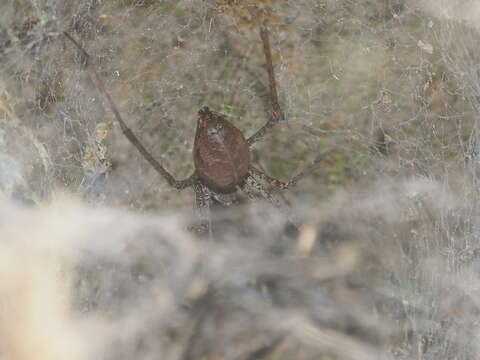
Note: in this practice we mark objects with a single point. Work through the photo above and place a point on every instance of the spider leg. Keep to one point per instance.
(178, 184)
(271, 180)
(203, 205)
(276, 114)
(205, 201)
(253, 188)
(281, 185)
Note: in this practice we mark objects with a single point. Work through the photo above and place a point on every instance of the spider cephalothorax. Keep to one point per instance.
(220, 152)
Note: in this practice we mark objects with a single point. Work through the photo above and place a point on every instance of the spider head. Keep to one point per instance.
(210, 123)
(205, 117)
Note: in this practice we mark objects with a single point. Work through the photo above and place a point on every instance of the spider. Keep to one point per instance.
(221, 153)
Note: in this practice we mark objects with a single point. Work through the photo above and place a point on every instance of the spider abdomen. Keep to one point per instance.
(221, 154)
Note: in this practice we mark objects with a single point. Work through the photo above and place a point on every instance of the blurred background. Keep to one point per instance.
(384, 261)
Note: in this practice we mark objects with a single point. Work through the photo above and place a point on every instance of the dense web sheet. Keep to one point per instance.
(384, 259)
(81, 282)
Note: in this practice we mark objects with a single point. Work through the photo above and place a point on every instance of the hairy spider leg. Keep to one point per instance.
(203, 209)
(282, 185)
(253, 189)
(178, 184)
(276, 114)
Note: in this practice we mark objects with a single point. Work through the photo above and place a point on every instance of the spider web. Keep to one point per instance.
(387, 89)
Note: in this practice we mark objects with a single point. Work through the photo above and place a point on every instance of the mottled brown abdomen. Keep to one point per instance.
(220, 152)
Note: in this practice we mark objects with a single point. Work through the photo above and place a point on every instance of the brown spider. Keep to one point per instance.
(221, 153)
